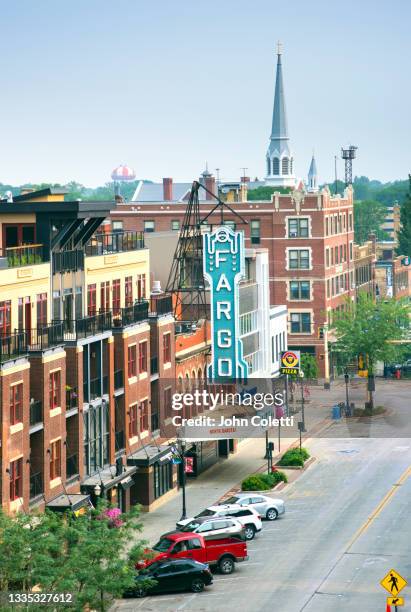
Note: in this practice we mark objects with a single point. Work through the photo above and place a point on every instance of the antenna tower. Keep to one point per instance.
(348, 155)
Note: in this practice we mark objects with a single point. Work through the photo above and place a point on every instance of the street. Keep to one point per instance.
(326, 553)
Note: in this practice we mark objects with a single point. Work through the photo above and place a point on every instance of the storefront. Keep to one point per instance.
(155, 477)
(201, 456)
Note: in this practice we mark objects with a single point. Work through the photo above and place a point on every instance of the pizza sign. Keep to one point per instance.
(290, 362)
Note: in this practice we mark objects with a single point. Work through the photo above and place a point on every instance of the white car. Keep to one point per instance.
(247, 516)
(267, 507)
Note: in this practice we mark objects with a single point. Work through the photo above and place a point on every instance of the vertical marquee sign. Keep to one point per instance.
(224, 265)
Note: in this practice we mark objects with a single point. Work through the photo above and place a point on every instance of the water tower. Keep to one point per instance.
(122, 174)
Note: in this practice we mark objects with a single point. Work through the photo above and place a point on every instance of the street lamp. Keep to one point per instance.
(302, 401)
(347, 403)
(182, 450)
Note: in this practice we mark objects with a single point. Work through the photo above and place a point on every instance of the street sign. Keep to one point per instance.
(393, 583)
(395, 601)
(290, 362)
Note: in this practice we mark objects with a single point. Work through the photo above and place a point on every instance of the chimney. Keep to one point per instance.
(210, 185)
(167, 189)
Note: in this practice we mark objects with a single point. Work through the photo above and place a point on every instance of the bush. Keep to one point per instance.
(294, 457)
(262, 482)
(254, 482)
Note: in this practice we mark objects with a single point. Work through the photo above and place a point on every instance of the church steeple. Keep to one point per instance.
(279, 159)
(313, 176)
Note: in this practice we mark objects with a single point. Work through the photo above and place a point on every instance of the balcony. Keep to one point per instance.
(22, 341)
(71, 398)
(118, 379)
(68, 261)
(161, 305)
(122, 317)
(26, 255)
(36, 485)
(12, 347)
(36, 412)
(86, 326)
(117, 242)
(71, 466)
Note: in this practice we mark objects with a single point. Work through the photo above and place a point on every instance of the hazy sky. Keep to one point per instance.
(165, 85)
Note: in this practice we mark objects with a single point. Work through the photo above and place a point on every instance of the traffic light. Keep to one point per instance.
(321, 333)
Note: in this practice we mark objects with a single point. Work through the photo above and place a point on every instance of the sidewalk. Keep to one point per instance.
(215, 482)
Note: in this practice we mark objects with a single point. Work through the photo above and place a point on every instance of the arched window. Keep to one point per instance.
(276, 166)
(268, 165)
(284, 165)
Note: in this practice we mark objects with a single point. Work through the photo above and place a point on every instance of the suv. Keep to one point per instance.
(266, 507)
(247, 516)
(212, 528)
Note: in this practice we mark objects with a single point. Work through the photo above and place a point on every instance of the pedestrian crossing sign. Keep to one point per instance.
(393, 583)
(395, 601)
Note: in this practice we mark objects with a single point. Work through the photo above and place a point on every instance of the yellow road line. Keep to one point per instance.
(380, 507)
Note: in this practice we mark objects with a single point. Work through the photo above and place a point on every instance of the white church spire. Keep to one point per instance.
(312, 176)
(279, 158)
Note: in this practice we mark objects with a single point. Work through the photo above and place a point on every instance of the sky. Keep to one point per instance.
(166, 86)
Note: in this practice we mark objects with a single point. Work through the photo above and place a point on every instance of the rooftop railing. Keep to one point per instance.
(25, 255)
(130, 314)
(161, 305)
(116, 242)
(20, 342)
(87, 326)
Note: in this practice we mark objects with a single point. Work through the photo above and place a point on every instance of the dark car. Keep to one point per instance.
(178, 575)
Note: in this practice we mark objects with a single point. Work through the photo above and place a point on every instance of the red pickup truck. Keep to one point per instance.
(222, 553)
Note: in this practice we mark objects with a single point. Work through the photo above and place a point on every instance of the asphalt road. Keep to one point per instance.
(347, 523)
(325, 554)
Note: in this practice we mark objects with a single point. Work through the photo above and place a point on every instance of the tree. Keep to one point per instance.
(265, 193)
(371, 329)
(309, 366)
(88, 555)
(368, 217)
(404, 235)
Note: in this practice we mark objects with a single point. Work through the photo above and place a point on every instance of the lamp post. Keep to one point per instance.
(302, 401)
(183, 478)
(347, 402)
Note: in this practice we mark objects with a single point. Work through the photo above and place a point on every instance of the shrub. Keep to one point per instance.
(294, 457)
(254, 483)
(274, 478)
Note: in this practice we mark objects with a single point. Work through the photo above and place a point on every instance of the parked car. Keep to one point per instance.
(222, 553)
(212, 528)
(266, 507)
(177, 575)
(247, 516)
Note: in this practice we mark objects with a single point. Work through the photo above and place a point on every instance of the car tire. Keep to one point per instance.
(197, 585)
(271, 514)
(226, 565)
(249, 532)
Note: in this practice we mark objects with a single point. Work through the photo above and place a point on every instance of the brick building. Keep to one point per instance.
(82, 348)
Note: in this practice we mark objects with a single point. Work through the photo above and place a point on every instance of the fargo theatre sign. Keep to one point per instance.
(224, 267)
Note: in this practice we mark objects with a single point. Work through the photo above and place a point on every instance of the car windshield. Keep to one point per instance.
(163, 545)
(190, 526)
(205, 512)
(231, 500)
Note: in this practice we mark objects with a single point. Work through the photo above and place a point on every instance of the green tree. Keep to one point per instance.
(404, 236)
(265, 193)
(309, 366)
(368, 217)
(371, 329)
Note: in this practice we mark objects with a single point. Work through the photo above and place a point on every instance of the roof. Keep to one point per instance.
(179, 535)
(40, 193)
(153, 192)
(313, 168)
(279, 127)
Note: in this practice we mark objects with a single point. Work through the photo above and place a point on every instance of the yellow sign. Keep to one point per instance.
(290, 362)
(393, 583)
(395, 601)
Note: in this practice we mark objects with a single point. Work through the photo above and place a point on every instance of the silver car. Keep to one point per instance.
(266, 506)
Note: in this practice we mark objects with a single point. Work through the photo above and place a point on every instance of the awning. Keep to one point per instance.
(127, 483)
(107, 479)
(148, 455)
(69, 501)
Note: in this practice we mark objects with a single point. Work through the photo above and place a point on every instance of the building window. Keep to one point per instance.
(16, 404)
(91, 300)
(41, 310)
(248, 323)
(96, 428)
(350, 221)
(345, 252)
(163, 480)
(143, 417)
(336, 254)
(351, 257)
(105, 296)
(142, 357)
(167, 348)
(333, 286)
(55, 459)
(132, 361)
(300, 323)
(149, 226)
(5, 318)
(55, 389)
(230, 224)
(117, 226)
(133, 422)
(299, 259)
(332, 256)
(326, 226)
(116, 302)
(16, 479)
(276, 166)
(255, 231)
(128, 290)
(341, 253)
(141, 286)
(298, 228)
(175, 225)
(328, 287)
(327, 257)
(299, 290)
(284, 165)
